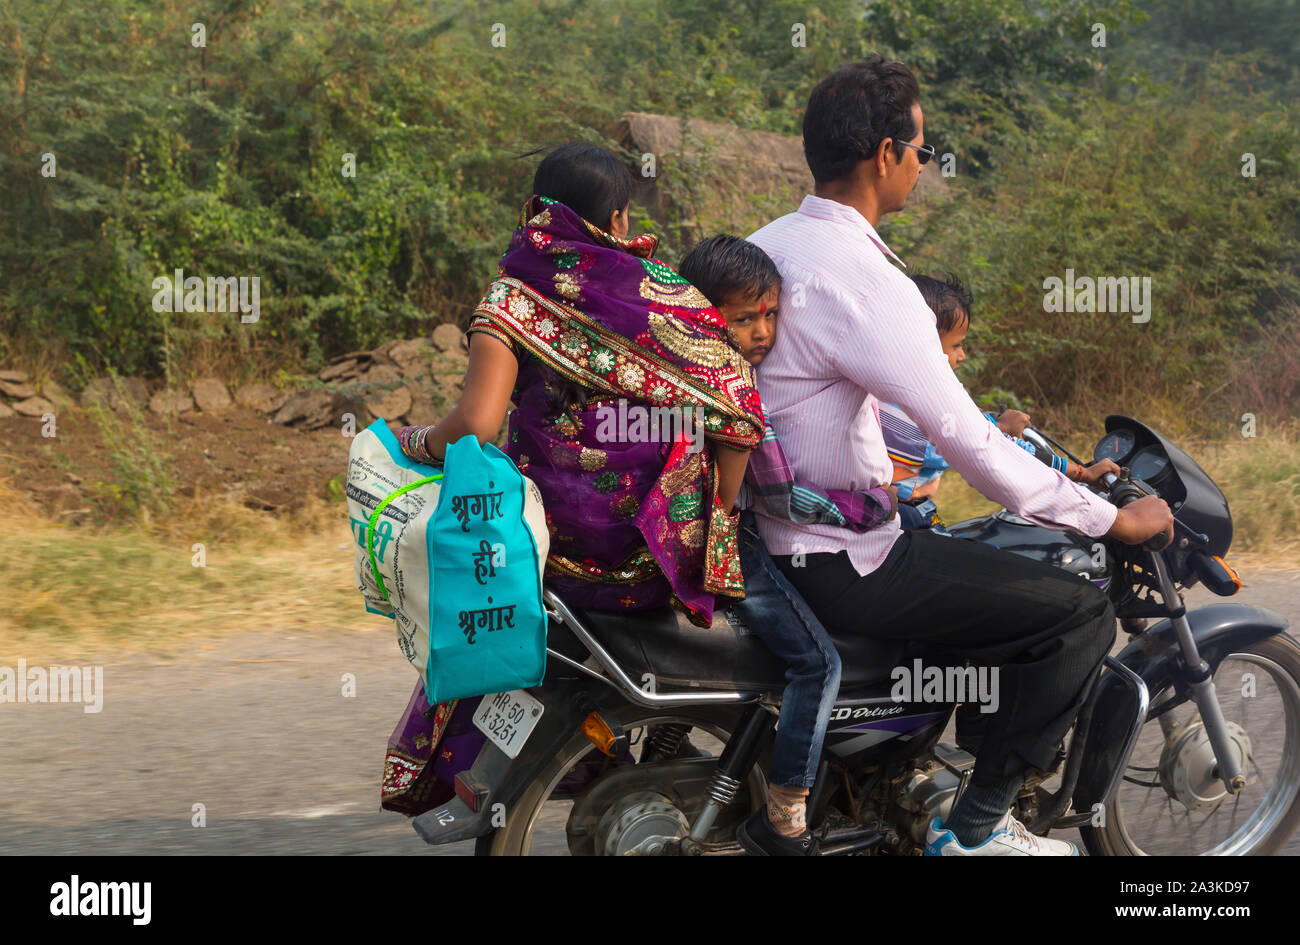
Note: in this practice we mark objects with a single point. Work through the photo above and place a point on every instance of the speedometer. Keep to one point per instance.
(1148, 463)
(1115, 445)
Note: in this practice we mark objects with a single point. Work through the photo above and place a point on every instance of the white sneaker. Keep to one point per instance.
(1009, 838)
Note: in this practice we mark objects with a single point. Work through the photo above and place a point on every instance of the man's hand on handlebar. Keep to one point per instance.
(1141, 520)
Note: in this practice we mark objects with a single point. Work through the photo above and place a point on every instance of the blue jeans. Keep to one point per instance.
(776, 614)
(922, 515)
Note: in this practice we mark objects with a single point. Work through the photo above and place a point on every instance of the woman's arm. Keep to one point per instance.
(489, 381)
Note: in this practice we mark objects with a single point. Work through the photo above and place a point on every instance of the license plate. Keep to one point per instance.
(507, 719)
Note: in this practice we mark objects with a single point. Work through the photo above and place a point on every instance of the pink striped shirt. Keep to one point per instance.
(854, 328)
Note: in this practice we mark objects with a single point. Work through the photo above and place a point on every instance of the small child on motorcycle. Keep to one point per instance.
(744, 285)
(918, 466)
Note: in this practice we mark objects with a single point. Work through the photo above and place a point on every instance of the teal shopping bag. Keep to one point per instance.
(487, 622)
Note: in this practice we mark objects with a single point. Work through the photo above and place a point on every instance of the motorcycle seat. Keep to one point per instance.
(727, 655)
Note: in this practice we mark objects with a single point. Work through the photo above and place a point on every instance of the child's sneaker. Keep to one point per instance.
(1009, 838)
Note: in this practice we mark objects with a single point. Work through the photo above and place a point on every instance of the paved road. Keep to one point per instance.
(254, 727)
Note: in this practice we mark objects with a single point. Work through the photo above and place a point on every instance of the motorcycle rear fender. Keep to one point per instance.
(1154, 655)
(495, 779)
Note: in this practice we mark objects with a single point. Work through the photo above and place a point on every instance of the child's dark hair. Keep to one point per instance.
(724, 265)
(589, 180)
(949, 299)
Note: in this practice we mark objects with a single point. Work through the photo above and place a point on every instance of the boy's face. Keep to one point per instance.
(952, 341)
(753, 321)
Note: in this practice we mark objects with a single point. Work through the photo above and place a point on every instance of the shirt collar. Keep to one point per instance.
(825, 209)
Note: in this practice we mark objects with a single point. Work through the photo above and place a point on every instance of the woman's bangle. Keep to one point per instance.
(418, 440)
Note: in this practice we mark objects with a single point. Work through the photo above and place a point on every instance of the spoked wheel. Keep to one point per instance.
(559, 815)
(1171, 802)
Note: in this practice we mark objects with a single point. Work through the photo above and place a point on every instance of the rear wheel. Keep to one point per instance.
(535, 824)
(1170, 802)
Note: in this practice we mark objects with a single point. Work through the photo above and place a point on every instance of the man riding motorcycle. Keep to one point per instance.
(857, 330)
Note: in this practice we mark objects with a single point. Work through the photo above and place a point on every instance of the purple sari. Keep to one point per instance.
(635, 519)
(635, 522)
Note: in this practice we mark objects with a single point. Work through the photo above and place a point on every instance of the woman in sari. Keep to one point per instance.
(581, 318)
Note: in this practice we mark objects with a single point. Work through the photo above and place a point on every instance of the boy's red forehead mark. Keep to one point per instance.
(762, 308)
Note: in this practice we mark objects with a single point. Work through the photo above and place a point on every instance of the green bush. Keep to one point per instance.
(227, 160)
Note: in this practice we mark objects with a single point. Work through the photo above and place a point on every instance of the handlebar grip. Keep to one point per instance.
(1156, 542)
(1123, 490)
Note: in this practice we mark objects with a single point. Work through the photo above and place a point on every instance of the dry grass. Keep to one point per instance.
(1260, 477)
(136, 587)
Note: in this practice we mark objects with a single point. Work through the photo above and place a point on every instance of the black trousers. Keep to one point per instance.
(1044, 629)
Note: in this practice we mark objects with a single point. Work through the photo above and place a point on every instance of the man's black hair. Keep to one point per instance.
(949, 299)
(852, 110)
(724, 265)
(587, 179)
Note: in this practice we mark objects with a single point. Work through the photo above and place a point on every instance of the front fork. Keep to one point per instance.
(1200, 684)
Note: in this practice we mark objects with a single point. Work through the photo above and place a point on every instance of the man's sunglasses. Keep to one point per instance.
(926, 151)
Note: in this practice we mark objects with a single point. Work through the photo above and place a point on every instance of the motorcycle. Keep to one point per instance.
(1187, 741)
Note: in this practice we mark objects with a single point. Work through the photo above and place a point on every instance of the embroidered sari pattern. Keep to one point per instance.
(603, 314)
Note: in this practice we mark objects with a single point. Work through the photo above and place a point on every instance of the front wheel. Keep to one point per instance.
(1170, 802)
(537, 822)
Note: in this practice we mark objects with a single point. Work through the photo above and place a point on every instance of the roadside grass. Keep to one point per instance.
(142, 479)
(1260, 476)
(135, 586)
(138, 587)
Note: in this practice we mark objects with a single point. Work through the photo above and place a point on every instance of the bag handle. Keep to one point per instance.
(374, 519)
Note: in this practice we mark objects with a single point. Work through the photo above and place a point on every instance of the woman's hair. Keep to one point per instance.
(852, 110)
(587, 179)
(594, 184)
(725, 265)
(949, 299)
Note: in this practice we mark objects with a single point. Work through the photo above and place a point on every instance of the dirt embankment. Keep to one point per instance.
(93, 457)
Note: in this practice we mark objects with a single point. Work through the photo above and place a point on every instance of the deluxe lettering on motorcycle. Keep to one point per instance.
(487, 618)
(485, 505)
